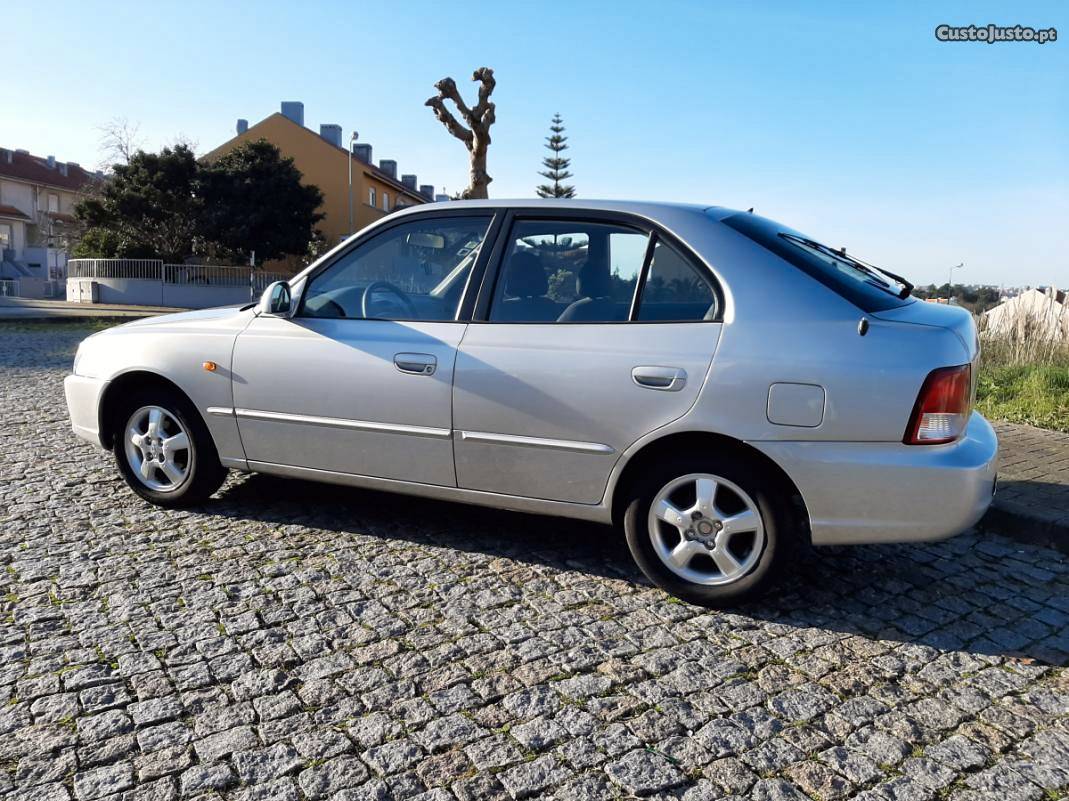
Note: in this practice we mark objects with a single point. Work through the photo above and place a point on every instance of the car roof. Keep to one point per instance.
(645, 208)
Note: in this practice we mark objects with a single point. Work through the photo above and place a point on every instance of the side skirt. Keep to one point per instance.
(594, 512)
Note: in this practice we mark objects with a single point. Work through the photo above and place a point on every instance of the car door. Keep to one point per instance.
(359, 379)
(590, 333)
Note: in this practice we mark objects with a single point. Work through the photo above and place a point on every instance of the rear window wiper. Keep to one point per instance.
(872, 271)
(906, 285)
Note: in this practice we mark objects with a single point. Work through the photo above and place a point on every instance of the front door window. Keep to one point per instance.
(413, 271)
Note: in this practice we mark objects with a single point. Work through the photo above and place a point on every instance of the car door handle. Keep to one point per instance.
(416, 363)
(666, 379)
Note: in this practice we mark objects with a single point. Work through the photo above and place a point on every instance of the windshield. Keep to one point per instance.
(870, 288)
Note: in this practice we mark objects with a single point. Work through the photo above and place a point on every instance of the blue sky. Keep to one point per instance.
(849, 122)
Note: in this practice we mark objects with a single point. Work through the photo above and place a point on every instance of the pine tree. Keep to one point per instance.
(556, 167)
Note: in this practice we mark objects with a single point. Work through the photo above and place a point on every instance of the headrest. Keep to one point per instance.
(593, 281)
(525, 277)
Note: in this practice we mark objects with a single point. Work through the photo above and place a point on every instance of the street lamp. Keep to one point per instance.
(352, 141)
(950, 280)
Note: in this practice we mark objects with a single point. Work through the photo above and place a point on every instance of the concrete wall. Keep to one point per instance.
(32, 288)
(142, 292)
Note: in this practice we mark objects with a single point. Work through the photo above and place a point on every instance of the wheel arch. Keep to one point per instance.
(120, 387)
(720, 443)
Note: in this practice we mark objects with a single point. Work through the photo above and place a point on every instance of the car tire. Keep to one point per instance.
(711, 558)
(184, 473)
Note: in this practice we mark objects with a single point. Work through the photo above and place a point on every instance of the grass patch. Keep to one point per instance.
(1024, 382)
(1036, 394)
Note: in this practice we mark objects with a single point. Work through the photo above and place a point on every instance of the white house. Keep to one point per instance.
(37, 200)
(1035, 313)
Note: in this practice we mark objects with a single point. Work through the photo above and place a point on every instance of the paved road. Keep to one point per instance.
(1034, 481)
(22, 309)
(296, 642)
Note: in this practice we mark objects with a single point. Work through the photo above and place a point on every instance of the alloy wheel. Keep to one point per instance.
(158, 449)
(706, 529)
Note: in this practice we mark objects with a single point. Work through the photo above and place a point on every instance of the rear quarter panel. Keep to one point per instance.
(780, 325)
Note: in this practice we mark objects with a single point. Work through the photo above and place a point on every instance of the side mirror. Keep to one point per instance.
(276, 299)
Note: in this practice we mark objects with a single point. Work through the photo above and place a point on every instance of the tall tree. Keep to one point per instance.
(556, 166)
(476, 137)
(253, 200)
(149, 207)
(168, 206)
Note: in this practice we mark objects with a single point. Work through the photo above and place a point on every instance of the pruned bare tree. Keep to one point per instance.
(476, 136)
(119, 140)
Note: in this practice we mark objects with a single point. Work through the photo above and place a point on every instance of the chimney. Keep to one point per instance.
(331, 132)
(51, 162)
(441, 198)
(293, 110)
(6, 155)
(243, 126)
(362, 151)
(389, 166)
(427, 190)
(409, 182)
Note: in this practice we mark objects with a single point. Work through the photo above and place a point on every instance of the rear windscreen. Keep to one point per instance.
(866, 290)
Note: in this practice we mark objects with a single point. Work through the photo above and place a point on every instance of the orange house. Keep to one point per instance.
(375, 191)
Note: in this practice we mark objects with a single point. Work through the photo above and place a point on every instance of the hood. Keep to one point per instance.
(178, 318)
(936, 315)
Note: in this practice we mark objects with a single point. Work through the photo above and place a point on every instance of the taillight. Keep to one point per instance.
(942, 408)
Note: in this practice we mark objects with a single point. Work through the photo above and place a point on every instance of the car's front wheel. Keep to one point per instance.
(164, 450)
(708, 530)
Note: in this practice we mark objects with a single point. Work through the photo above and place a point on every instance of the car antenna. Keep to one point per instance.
(750, 210)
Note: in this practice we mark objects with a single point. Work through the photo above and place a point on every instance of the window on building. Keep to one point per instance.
(53, 203)
(385, 201)
(371, 196)
(6, 237)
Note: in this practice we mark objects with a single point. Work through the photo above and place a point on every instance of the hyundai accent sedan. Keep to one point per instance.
(714, 384)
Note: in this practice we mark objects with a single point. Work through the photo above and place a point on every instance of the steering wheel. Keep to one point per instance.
(375, 286)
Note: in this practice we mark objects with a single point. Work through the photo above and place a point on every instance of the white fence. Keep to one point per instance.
(154, 270)
(150, 282)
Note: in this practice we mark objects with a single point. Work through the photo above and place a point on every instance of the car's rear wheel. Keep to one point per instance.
(708, 530)
(164, 450)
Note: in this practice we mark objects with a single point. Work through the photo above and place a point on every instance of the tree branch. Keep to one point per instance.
(447, 90)
(449, 121)
(485, 76)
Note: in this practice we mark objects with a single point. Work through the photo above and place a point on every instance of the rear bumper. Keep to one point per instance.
(83, 405)
(865, 492)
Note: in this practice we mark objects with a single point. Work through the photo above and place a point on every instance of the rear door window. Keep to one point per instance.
(569, 272)
(674, 289)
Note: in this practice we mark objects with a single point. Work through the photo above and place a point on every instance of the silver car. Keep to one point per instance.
(717, 385)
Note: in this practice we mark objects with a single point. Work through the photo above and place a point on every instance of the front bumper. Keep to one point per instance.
(83, 405)
(865, 492)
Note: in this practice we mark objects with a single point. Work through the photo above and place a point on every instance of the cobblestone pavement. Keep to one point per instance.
(297, 642)
(1034, 474)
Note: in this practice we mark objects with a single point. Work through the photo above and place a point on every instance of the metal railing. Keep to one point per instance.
(9, 287)
(157, 270)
